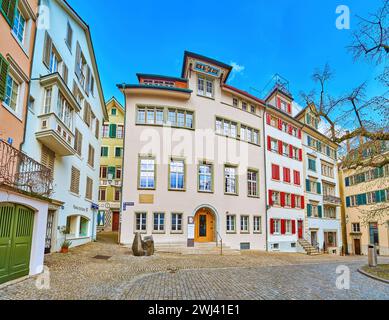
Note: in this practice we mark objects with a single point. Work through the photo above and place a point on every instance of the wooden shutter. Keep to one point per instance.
(48, 159)
(283, 226)
(268, 119)
(280, 124)
(291, 151)
(48, 45)
(78, 58)
(299, 134)
(302, 202)
(300, 155)
(87, 82)
(269, 143)
(308, 185)
(4, 65)
(271, 226)
(318, 185)
(348, 202)
(9, 8)
(293, 201)
(87, 113)
(112, 130)
(65, 73)
(320, 211)
(91, 156)
(97, 133)
(279, 103)
(289, 108)
(78, 142)
(271, 198)
(294, 227)
(89, 188)
(282, 199)
(75, 181)
(280, 147)
(309, 209)
(69, 36)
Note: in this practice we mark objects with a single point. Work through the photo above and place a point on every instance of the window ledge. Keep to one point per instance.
(13, 112)
(231, 194)
(176, 232)
(159, 232)
(20, 44)
(205, 192)
(176, 190)
(141, 232)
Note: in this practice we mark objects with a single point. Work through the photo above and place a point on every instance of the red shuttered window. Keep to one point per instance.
(283, 227)
(300, 155)
(280, 147)
(275, 172)
(299, 134)
(271, 226)
(268, 119)
(280, 124)
(297, 179)
(271, 198)
(282, 199)
(269, 143)
(293, 201)
(279, 103)
(289, 108)
(294, 227)
(302, 203)
(287, 175)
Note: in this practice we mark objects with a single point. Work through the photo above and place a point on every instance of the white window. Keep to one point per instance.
(288, 226)
(276, 198)
(277, 226)
(257, 224)
(288, 200)
(176, 222)
(19, 26)
(141, 116)
(330, 212)
(252, 181)
(11, 97)
(205, 178)
(47, 103)
(159, 222)
(180, 118)
(230, 180)
(201, 86)
(54, 62)
(64, 111)
(147, 174)
(209, 92)
(244, 224)
(274, 145)
(177, 175)
(141, 221)
(231, 223)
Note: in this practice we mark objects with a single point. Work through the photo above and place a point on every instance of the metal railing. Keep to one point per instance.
(332, 200)
(315, 245)
(23, 173)
(219, 239)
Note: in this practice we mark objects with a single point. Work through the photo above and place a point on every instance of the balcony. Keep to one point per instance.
(55, 135)
(20, 172)
(332, 200)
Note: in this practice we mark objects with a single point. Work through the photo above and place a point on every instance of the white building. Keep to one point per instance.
(169, 182)
(284, 174)
(65, 113)
(323, 216)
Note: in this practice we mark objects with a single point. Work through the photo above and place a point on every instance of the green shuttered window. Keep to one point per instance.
(8, 9)
(4, 65)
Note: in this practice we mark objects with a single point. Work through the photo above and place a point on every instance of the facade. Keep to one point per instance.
(284, 174)
(323, 215)
(17, 29)
(111, 164)
(194, 160)
(66, 112)
(365, 194)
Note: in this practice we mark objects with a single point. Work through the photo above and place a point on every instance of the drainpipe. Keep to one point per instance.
(266, 193)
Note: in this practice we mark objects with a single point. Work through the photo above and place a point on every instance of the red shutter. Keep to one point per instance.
(287, 172)
(271, 226)
(297, 178)
(299, 134)
(280, 147)
(291, 151)
(275, 172)
(279, 103)
(280, 124)
(293, 201)
(289, 108)
(300, 155)
(282, 199)
(302, 203)
(283, 226)
(294, 227)
(270, 197)
(290, 129)
(269, 143)
(268, 119)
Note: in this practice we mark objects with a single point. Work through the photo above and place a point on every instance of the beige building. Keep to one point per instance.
(365, 208)
(194, 159)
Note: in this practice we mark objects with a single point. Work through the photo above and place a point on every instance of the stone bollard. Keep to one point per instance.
(372, 256)
(148, 246)
(137, 246)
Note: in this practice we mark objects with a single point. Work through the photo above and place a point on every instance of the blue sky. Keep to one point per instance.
(289, 37)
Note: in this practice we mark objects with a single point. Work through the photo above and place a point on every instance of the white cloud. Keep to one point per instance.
(236, 69)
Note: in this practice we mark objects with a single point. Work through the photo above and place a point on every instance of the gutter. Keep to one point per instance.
(266, 191)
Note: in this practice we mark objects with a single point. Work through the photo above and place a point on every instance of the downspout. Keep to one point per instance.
(266, 191)
(29, 85)
(343, 210)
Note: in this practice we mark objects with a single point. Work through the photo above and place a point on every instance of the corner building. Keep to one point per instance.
(174, 183)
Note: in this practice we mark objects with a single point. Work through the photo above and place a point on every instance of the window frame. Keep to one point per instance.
(177, 160)
(211, 175)
(161, 227)
(256, 182)
(142, 222)
(154, 171)
(236, 176)
(174, 224)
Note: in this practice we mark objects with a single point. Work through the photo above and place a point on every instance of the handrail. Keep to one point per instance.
(221, 242)
(309, 239)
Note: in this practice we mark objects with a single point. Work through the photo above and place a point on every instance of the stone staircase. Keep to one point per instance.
(308, 248)
(199, 249)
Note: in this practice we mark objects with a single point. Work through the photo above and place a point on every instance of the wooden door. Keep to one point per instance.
(357, 247)
(204, 227)
(16, 228)
(115, 221)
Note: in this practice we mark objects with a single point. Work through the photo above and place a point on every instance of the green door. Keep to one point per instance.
(16, 227)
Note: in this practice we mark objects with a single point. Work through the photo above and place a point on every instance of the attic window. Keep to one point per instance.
(161, 83)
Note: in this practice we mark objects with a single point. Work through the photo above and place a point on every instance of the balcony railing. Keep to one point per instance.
(332, 200)
(20, 172)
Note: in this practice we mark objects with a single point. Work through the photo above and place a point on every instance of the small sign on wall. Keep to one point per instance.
(207, 69)
(127, 204)
(191, 232)
(146, 198)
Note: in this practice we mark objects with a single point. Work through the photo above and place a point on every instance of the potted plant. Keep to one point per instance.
(65, 246)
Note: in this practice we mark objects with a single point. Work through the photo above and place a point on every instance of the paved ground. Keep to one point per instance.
(79, 275)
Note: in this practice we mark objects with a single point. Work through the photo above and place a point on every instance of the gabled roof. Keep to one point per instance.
(244, 93)
(276, 89)
(310, 106)
(188, 54)
(66, 6)
(113, 99)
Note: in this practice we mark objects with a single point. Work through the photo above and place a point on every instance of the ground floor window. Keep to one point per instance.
(231, 223)
(373, 231)
(141, 221)
(330, 239)
(84, 227)
(159, 221)
(244, 224)
(276, 226)
(177, 222)
(257, 224)
(77, 226)
(101, 219)
(288, 226)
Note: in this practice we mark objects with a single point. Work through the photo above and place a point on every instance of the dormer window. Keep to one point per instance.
(284, 106)
(312, 120)
(205, 87)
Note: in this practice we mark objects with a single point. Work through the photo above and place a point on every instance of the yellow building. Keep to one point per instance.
(111, 168)
(365, 211)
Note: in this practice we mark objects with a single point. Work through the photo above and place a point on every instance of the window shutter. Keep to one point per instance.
(9, 9)
(269, 143)
(290, 129)
(347, 181)
(69, 36)
(280, 124)
(308, 185)
(47, 50)
(289, 108)
(280, 147)
(291, 151)
(348, 202)
(320, 210)
(78, 58)
(4, 65)
(294, 227)
(293, 201)
(299, 134)
(271, 226)
(97, 129)
(112, 170)
(279, 103)
(309, 209)
(283, 226)
(78, 142)
(65, 73)
(318, 188)
(87, 83)
(302, 202)
(282, 199)
(268, 119)
(48, 159)
(75, 181)
(112, 130)
(300, 155)
(271, 198)
(87, 113)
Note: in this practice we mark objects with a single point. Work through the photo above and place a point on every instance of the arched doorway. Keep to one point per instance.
(205, 226)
